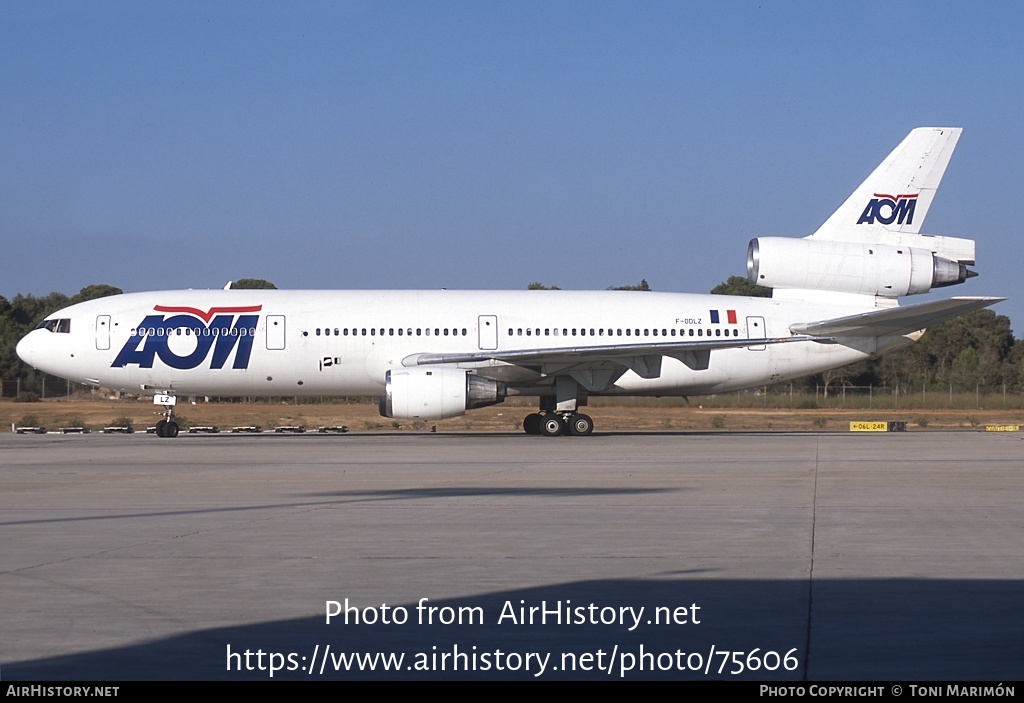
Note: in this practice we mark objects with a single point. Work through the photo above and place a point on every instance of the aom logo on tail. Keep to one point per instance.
(185, 339)
(889, 208)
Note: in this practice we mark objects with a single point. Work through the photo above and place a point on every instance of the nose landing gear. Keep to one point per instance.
(166, 427)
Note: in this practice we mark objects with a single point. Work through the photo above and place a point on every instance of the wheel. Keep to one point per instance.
(552, 425)
(581, 425)
(531, 423)
(161, 427)
(171, 430)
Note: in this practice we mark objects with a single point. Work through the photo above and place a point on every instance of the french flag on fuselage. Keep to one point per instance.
(730, 316)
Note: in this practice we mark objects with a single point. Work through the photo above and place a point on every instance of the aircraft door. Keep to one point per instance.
(487, 332)
(275, 332)
(755, 330)
(103, 332)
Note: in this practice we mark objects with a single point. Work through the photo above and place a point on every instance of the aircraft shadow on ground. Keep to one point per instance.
(900, 629)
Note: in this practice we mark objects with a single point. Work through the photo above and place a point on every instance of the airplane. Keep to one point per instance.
(436, 354)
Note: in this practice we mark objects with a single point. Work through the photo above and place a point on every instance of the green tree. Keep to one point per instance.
(974, 349)
(642, 285)
(738, 285)
(537, 285)
(92, 292)
(252, 284)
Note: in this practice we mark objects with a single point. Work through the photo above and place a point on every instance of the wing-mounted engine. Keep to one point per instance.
(885, 270)
(436, 393)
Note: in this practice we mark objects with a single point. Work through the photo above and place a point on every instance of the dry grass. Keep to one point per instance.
(507, 417)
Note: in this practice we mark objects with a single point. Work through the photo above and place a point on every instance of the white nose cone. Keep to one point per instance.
(28, 349)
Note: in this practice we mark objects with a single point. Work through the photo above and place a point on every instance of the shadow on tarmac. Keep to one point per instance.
(861, 629)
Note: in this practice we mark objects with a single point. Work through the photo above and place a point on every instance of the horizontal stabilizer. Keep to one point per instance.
(894, 321)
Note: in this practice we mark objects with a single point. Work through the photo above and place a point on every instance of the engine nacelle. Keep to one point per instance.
(849, 267)
(436, 393)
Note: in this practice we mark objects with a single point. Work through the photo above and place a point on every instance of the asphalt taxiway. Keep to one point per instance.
(813, 556)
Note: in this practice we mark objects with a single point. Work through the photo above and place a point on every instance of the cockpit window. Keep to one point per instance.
(62, 325)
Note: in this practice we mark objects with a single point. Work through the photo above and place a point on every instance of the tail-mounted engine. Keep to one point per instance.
(885, 270)
(436, 393)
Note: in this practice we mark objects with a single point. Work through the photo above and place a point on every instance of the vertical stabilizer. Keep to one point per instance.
(896, 197)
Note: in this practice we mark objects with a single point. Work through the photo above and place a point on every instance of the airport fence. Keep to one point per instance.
(849, 397)
(39, 388)
(783, 396)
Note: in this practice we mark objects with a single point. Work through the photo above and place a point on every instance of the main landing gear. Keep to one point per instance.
(553, 424)
(559, 411)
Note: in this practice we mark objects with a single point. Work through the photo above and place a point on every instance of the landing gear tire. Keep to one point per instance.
(580, 425)
(552, 426)
(171, 430)
(531, 424)
(161, 428)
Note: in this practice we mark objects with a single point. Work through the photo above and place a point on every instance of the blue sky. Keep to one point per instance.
(156, 145)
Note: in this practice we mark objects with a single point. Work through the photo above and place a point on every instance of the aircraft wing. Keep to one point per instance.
(893, 321)
(603, 352)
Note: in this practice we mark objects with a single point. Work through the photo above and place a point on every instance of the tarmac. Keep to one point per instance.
(773, 556)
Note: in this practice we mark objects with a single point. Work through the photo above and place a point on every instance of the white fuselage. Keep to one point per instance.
(260, 342)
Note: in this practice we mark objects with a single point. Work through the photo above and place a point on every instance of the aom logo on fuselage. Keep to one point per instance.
(184, 339)
(889, 208)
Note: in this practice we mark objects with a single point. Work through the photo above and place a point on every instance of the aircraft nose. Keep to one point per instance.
(28, 349)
